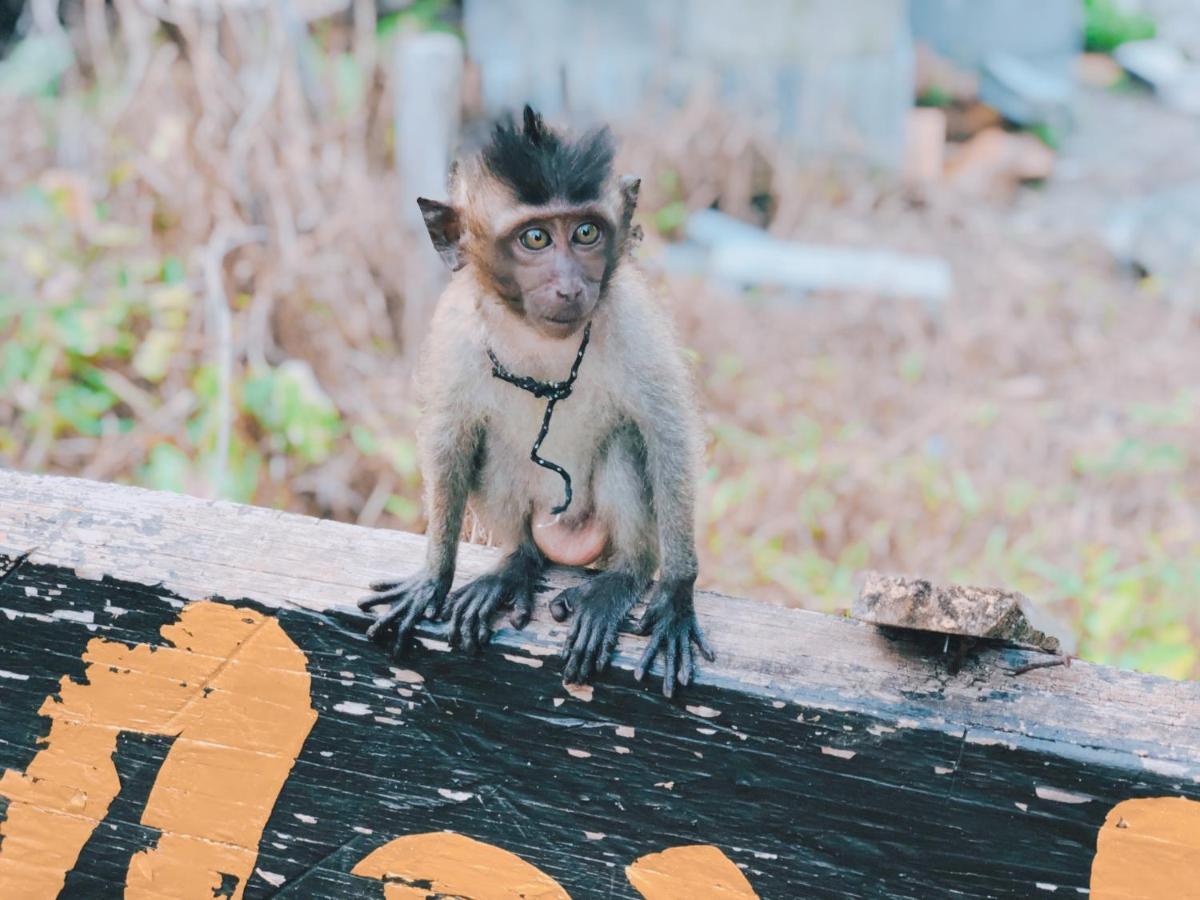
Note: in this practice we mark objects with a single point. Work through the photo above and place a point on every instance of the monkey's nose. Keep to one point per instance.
(570, 296)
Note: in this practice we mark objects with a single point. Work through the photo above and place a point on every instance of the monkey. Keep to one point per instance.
(548, 329)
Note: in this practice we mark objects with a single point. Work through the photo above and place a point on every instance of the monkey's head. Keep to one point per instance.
(542, 220)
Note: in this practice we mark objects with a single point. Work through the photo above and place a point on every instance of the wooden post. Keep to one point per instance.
(428, 82)
(185, 689)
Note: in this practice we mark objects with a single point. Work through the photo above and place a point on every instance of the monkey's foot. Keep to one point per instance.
(670, 620)
(602, 603)
(407, 600)
(472, 607)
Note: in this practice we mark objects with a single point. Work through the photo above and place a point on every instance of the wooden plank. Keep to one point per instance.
(820, 756)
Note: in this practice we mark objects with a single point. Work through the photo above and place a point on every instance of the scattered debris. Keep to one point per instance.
(742, 254)
(995, 162)
(1025, 92)
(1165, 68)
(915, 603)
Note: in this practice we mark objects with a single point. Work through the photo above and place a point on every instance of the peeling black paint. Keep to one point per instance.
(768, 783)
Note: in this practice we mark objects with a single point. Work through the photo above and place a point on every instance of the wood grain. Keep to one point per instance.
(200, 548)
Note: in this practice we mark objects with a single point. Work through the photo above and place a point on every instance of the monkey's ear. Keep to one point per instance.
(630, 185)
(445, 230)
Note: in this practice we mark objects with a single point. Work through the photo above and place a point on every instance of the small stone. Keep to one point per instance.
(992, 613)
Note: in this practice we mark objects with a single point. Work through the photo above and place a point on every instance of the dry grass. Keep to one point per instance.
(222, 193)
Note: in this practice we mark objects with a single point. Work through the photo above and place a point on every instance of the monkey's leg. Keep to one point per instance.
(471, 608)
(449, 467)
(601, 604)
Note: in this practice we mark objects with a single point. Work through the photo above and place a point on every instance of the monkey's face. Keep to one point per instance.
(552, 269)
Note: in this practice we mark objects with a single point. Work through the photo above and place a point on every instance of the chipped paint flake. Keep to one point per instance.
(85, 616)
(582, 692)
(707, 732)
(880, 730)
(456, 796)
(523, 660)
(353, 708)
(626, 731)
(621, 750)
(1049, 793)
(433, 644)
(15, 676)
(408, 676)
(839, 753)
(578, 754)
(669, 785)
(942, 770)
(1046, 886)
(704, 712)
(362, 830)
(307, 820)
(1023, 807)
(386, 720)
(271, 878)
(595, 835)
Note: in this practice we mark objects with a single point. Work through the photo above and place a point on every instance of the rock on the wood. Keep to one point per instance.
(992, 613)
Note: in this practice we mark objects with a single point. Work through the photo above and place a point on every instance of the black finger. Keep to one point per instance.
(571, 669)
(689, 664)
(469, 623)
(386, 620)
(606, 651)
(458, 609)
(563, 605)
(590, 653)
(698, 637)
(373, 600)
(572, 638)
(522, 610)
(672, 650)
(385, 585)
(484, 630)
(648, 657)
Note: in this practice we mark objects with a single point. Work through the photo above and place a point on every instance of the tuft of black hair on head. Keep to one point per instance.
(540, 165)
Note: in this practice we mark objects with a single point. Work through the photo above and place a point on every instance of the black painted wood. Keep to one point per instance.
(809, 802)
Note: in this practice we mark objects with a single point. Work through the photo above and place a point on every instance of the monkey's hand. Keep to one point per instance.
(471, 608)
(603, 603)
(670, 620)
(408, 600)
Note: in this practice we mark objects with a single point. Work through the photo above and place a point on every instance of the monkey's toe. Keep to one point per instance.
(602, 604)
(673, 637)
(407, 601)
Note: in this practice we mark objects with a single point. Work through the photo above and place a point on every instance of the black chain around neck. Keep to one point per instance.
(555, 391)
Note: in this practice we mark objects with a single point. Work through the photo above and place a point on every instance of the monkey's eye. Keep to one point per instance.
(587, 233)
(535, 238)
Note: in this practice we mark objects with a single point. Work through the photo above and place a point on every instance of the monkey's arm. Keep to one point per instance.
(451, 444)
(671, 434)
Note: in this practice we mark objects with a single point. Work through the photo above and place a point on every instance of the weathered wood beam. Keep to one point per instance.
(820, 755)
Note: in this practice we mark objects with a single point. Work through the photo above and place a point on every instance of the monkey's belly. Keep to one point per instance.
(570, 543)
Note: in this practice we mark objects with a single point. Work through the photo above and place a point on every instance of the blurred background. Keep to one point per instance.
(937, 265)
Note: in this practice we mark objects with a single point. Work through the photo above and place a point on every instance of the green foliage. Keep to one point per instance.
(1107, 26)
(1137, 612)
